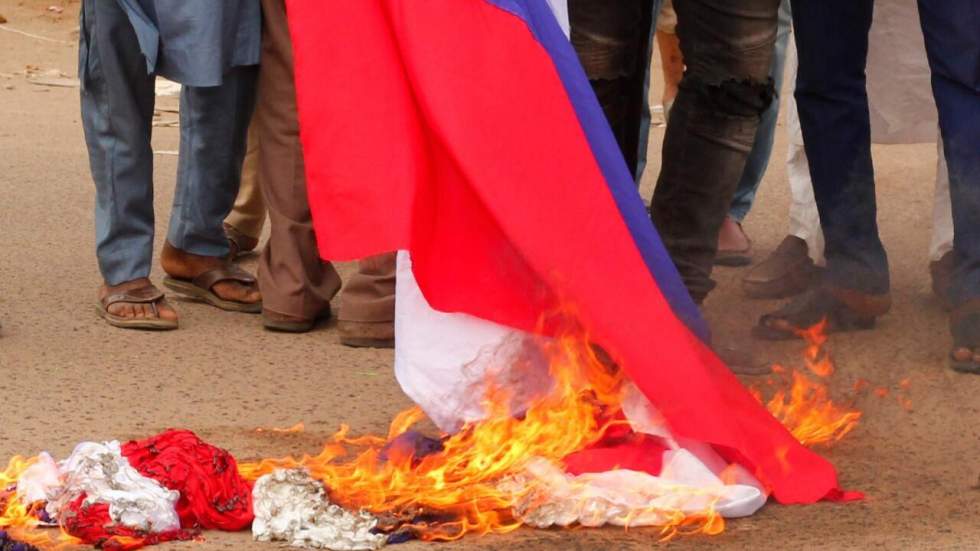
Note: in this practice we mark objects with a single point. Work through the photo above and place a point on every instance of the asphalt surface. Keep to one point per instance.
(65, 376)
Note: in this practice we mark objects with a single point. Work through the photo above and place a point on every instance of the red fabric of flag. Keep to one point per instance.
(444, 127)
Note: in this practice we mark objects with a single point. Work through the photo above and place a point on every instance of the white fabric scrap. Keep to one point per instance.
(443, 361)
(550, 497)
(39, 480)
(100, 471)
(291, 506)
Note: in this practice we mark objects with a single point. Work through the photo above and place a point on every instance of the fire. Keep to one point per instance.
(297, 428)
(806, 410)
(457, 491)
(461, 489)
(18, 519)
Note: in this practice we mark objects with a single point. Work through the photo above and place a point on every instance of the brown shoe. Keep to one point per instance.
(734, 247)
(841, 309)
(741, 358)
(787, 271)
(359, 334)
(942, 278)
(274, 321)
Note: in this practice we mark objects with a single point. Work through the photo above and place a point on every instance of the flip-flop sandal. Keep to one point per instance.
(837, 307)
(964, 324)
(200, 288)
(735, 258)
(144, 295)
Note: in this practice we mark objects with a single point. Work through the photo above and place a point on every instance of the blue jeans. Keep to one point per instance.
(758, 162)
(832, 41)
(117, 100)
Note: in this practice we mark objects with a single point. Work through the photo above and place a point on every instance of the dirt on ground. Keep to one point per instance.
(65, 376)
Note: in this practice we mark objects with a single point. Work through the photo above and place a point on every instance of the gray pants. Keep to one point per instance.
(117, 113)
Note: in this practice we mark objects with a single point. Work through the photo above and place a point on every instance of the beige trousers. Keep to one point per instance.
(248, 214)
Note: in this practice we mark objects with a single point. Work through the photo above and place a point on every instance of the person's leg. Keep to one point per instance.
(117, 98)
(612, 42)
(832, 102)
(758, 161)
(727, 48)
(243, 225)
(367, 305)
(953, 47)
(646, 114)
(296, 284)
(942, 210)
(942, 260)
(213, 127)
(670, 54)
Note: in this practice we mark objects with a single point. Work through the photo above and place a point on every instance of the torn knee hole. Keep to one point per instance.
(746, 97)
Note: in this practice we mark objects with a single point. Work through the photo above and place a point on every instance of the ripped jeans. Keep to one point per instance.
(727, 47)
(612, 40)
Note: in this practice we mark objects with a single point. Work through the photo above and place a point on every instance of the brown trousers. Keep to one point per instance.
(369, 296)
(293, 279)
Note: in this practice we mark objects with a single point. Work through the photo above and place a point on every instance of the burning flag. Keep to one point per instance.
(540, 323)
(466, 133)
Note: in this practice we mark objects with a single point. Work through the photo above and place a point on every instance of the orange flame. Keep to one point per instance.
(18, 519)
(806, 410)
(459, 487)
(297, 428)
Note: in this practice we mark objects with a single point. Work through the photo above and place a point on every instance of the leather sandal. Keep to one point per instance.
(200, 288)
(843, 309)
(239, 244)
(964, 324)
(142, 295)
(735, 258)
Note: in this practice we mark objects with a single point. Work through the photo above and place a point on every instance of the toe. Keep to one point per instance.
(143, 311)
(166, 312)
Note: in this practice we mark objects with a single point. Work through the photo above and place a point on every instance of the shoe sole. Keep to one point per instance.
(133, 323)
(191, 291)
(733, 261)
(356, 342)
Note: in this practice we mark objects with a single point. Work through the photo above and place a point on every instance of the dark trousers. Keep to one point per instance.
(728, 48)
(832, 41)
(612, 40)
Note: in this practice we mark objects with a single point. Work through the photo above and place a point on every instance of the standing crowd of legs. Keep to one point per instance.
(723, 68)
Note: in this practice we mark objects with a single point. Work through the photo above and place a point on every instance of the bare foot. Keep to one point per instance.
(183, 265)
(136, 310)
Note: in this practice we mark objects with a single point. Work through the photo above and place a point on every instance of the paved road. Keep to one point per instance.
(66, 377)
